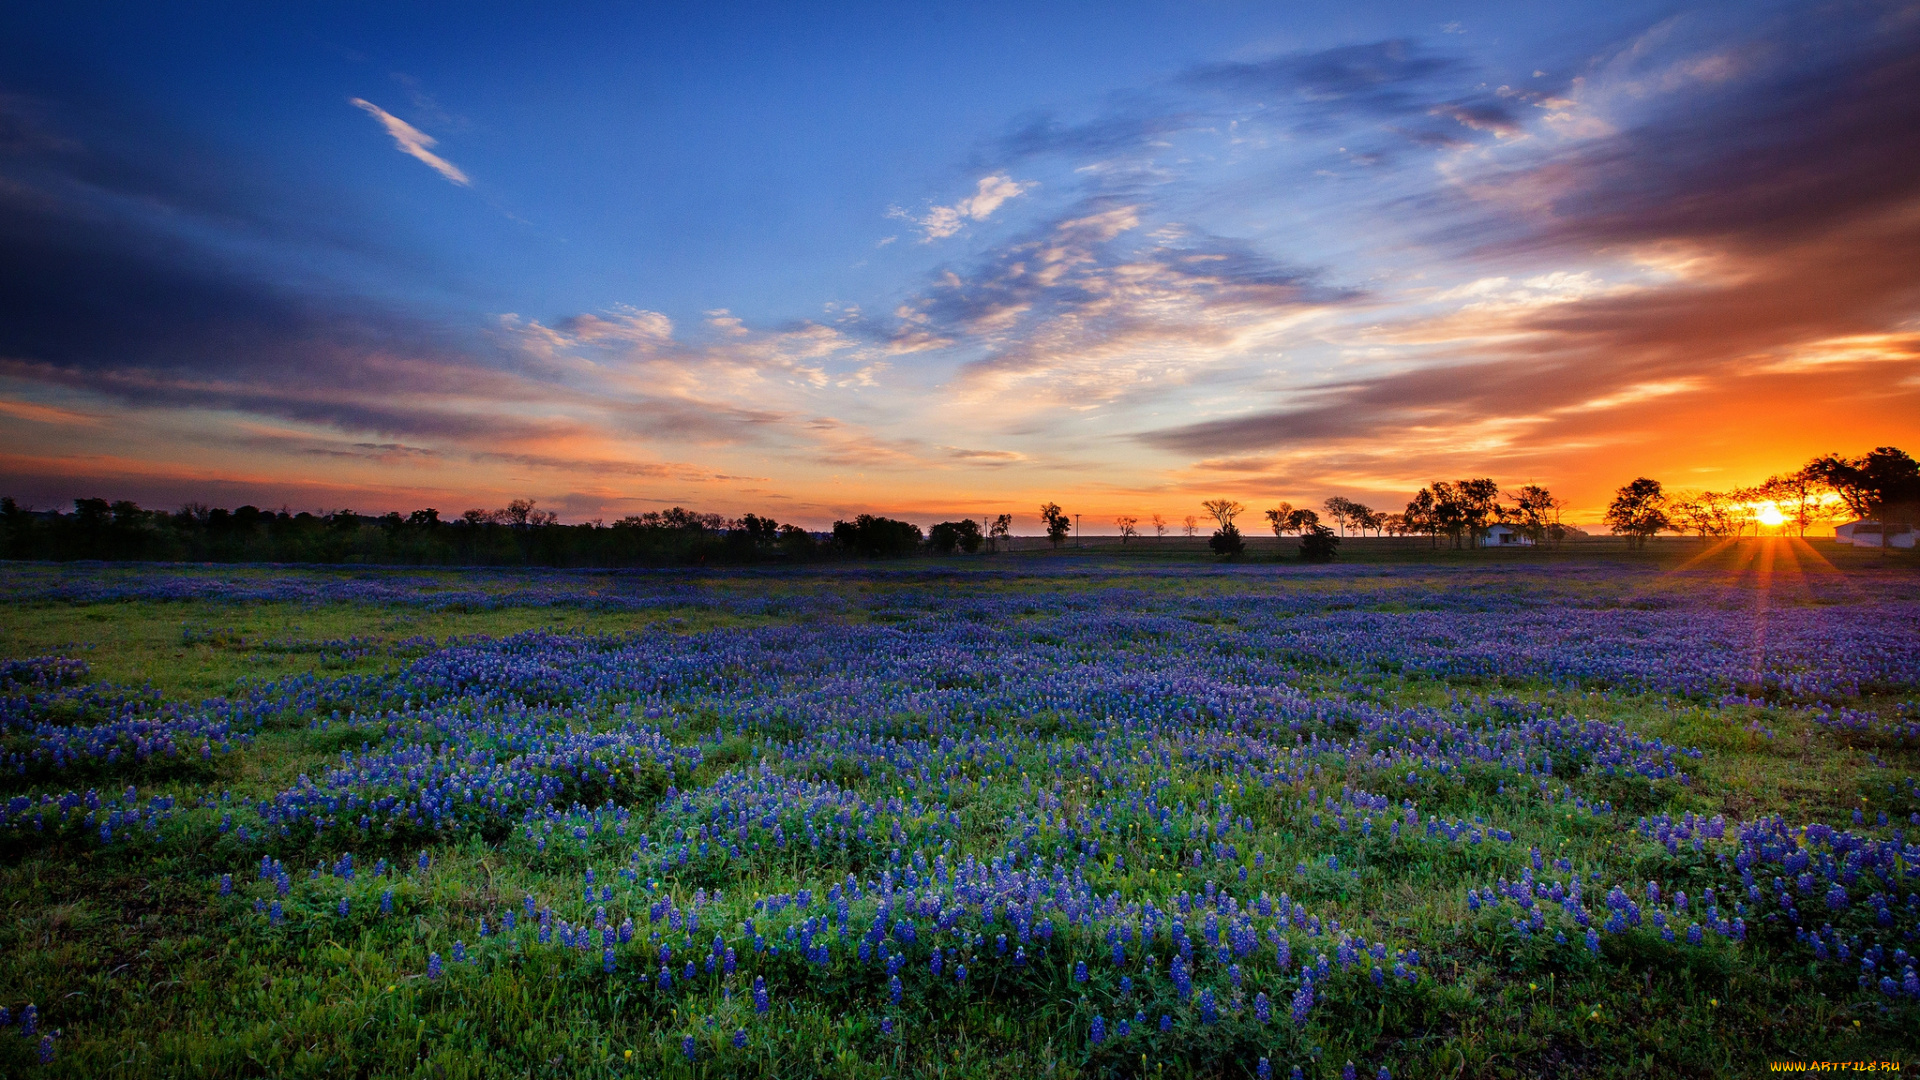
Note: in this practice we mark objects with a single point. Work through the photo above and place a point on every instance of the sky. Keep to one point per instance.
(931, 261)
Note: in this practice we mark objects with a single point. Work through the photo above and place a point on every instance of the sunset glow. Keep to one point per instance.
(812, 264)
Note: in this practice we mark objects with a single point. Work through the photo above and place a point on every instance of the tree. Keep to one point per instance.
(1001, 529)
(1223, 510)
(1638, 511)
(1129, 527)
(1800, 496)
(1278, 517)
(1883, 485)
(1317, 544)
(948, 535)
(1226, 541)
(1058, 524)
(1159, 526)
(1535, 512)
(1342, 510)
(1302, 521)
(874, 537)
(1423, 515)
(1191, 524)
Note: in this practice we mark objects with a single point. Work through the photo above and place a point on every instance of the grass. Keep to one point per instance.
(146, 972)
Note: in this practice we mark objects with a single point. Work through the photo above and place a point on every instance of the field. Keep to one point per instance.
(1098, 813)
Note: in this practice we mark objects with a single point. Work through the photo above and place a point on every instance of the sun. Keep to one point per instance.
(1770, 515)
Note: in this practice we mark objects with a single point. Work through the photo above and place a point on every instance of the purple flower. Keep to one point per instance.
(1265, 1071)
(1097, 1032)
(740, 1038)
(1262, 1008)
(606, 961)
(687, 1049)
(433, 965)
(1302, 1003)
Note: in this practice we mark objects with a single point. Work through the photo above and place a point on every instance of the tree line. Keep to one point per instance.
(520, 534)
(1882, 485)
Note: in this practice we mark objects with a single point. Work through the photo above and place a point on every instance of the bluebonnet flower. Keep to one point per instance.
(226, 884)
(1208, 1013)
(459, 952)
(1097, 1031)
(342, 909)
(1262, 1008)
(46, 1049)
(687, 1048)
(1079, 971)
(606, 961)
(739, 1038)
(1265, 1070)
(1347, 1072)
(1166, 1023)
(761, 1003)
(433, 965)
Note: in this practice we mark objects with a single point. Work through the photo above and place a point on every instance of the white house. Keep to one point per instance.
(1873, 534)
(1505, 536)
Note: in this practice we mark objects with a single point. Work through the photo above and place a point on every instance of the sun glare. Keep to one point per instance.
(1769, 514)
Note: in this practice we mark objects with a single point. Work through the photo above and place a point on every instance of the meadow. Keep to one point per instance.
(1084, 814)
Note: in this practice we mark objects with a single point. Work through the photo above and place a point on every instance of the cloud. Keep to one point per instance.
(1742, 242)
(414, 143)
(941, 222)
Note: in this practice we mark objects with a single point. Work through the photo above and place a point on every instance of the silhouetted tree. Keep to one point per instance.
(949, 535)
(1638, 511)
(1227, 541)
(1883, 485)
(876, 537)
(1159, 526)
(1317, 544)
(1129, 527)
(1058, 524)
(1280, 519)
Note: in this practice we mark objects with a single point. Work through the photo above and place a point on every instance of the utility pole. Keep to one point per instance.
(1076, 530)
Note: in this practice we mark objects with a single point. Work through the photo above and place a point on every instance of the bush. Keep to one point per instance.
(1317, 544)
(1227, 541)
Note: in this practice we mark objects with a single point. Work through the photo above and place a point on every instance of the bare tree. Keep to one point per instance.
(1223, 510)
(1129, 528)
(1278, 518)
(1159, 526)
(1191, 524)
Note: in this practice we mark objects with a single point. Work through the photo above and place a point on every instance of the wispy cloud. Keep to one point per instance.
(414, 143)
(940, 222)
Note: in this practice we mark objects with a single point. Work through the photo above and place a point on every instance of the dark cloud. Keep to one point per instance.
(1383, 78)
(1123, 129)
(1402, 85)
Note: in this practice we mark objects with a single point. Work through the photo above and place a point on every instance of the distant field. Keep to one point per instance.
(1107, 811)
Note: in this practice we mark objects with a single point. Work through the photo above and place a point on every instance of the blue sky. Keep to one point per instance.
(812, 260)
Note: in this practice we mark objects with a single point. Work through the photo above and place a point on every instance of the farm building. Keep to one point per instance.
(1874, 534)
(1505, 536)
